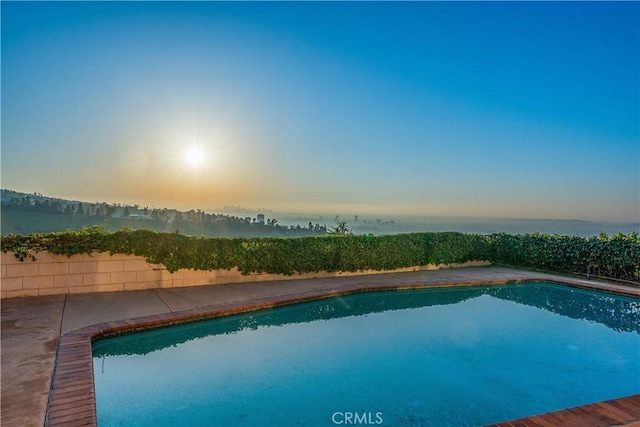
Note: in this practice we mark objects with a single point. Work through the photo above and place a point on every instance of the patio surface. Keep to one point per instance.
(32, 327)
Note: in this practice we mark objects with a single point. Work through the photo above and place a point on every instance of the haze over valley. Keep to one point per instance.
(24, 213)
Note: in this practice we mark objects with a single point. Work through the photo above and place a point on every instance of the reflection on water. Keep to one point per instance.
(441, 357)
(616, 312)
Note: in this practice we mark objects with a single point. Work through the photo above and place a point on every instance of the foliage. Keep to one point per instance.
(25, 218)
(617, 256)
(340, 229)
(261, 255)
(68, 242)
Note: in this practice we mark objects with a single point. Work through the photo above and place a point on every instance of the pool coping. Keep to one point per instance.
(72, 392)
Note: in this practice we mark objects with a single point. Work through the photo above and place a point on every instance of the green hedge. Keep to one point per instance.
(262, 255)
(617, 256)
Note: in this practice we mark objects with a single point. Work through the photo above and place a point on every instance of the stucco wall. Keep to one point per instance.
(53, 274)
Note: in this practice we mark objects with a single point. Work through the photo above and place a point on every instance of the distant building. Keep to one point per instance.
(355, 218)
(260, 218)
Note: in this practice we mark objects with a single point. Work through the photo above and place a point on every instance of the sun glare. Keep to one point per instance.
(194, 157)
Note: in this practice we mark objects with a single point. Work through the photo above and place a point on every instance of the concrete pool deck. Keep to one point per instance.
(33, 328)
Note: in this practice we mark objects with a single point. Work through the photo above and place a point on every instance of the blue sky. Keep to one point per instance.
(523, 109)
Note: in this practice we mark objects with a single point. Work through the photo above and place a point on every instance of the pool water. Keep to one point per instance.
(463, 356)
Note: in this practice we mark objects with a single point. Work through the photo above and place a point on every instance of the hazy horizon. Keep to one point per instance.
(329, 213)
(329, 217)
(484, 109)
(377, 224)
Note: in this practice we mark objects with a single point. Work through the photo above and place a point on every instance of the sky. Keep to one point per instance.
(484, 109)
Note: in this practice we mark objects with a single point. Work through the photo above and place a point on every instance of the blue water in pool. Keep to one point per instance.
(439, 357)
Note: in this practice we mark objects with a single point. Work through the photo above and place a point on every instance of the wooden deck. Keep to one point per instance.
(617, 412)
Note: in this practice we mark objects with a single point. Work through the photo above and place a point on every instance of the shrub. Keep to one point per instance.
(262, 255)
(617, 256)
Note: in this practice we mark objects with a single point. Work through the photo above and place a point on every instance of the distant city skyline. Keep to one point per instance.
(472, 109)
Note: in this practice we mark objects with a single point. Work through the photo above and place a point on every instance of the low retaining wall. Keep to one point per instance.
(53, 274)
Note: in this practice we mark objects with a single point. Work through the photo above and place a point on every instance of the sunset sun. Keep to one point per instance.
(194, 157)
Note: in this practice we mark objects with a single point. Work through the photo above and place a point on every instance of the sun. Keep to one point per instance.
(194, 157)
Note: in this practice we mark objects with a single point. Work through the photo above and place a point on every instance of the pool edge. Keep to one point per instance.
(72, 392)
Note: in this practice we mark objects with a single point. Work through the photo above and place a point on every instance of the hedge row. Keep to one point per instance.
(262, 255)
(617, 256)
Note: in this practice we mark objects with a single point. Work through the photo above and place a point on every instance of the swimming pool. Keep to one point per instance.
(454, 356)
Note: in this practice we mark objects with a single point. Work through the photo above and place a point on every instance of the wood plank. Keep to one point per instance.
(616, 412)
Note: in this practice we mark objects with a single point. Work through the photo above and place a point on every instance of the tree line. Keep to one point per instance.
(34, 213)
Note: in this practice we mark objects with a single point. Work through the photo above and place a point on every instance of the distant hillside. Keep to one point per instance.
(24, 213)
